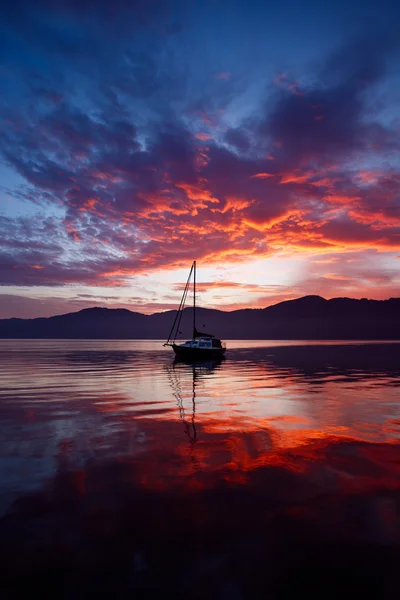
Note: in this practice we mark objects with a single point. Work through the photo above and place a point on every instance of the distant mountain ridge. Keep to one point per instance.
(306, 318)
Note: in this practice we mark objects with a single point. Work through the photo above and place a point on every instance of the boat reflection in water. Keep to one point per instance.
(198, 369)
(273, 473)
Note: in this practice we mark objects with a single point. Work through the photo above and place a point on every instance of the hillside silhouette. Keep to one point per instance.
(307, 318)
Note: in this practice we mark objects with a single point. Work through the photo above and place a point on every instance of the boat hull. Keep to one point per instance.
(188, 353)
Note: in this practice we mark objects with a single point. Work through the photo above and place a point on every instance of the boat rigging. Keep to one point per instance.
(202, 345)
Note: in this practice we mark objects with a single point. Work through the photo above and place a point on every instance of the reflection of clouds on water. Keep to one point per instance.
(244, 478)
(105, 399)
(329, 512)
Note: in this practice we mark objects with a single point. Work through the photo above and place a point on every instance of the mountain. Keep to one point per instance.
(307, 318)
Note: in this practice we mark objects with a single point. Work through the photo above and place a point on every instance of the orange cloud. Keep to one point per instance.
(262, 175)
(296, 177)
(199, 194)
(336, 277)
(88, 205)
(233, 204)
(234, 285)
(201, 135)
(271, 222)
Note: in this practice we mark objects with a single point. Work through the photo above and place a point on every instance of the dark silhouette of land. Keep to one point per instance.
(307, 318)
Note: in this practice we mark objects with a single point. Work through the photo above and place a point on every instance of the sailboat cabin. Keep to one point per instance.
(205, 342)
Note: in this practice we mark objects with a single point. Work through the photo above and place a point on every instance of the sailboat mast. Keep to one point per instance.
(194, 299)
(178, 317)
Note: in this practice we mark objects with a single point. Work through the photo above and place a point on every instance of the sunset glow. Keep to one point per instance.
(133, 143)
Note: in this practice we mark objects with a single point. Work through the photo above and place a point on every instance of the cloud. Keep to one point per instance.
(134, 185)
(232, 285)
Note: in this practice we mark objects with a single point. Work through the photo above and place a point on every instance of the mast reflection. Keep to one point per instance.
(177, 373)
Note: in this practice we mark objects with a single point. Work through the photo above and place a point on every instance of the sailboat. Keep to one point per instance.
(202, 345)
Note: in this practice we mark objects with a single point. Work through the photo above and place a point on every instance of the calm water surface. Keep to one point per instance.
(199, 474)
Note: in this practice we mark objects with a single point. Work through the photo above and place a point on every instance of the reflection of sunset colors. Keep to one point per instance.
(288, 406)
(245, 474)
(279, 175)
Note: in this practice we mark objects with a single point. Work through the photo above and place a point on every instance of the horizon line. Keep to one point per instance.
(203, 308)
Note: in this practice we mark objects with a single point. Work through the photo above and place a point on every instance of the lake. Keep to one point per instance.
(274, 471)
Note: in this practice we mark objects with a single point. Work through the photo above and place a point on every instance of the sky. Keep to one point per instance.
(259, 138)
